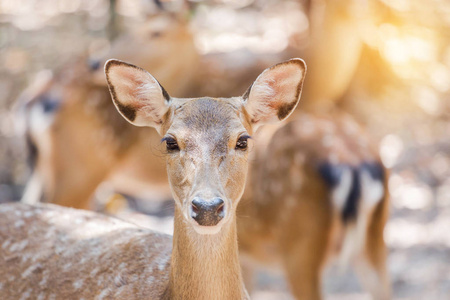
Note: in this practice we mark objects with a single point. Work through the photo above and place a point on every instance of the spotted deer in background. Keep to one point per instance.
(75, 138)
(50, 252)
(317, 194)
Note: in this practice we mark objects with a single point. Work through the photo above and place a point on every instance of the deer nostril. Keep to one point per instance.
(194, 208)
(207, 212)
(220, 209)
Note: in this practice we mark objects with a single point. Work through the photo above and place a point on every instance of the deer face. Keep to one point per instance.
(206, 139)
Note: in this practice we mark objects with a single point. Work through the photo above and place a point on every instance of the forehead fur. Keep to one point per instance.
(208, 114)
(208, 121)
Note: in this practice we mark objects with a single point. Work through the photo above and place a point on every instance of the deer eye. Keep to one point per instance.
(171, 144)
(241, 143)
(156, 34)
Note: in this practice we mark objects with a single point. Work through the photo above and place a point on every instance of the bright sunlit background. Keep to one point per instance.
(386, 62)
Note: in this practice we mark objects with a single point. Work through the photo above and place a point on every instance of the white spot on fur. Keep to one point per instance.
(41, 296)
(43, 282)
(94, 271)
(162, 262)
(372, 189)
(26, 294)
(341, 191)
(122, 266)
(78, 284)
(19, 223)
(67, 267)
(102, 295)
(327, 140)
(30, 270)
(18, 246)
(6, 244)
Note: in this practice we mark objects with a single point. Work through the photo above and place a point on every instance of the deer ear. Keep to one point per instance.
(137, 95)
(275, 93)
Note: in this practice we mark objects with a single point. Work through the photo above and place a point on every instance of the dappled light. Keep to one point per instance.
(383, 63)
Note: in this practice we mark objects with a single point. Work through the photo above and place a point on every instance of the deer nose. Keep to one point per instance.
(207, 212)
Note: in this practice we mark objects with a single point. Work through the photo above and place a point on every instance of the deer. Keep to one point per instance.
(317, 196)
(96, 149)
(76, 140)
(51, 252)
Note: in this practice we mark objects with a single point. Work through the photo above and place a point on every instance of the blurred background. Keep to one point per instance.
(385, 62)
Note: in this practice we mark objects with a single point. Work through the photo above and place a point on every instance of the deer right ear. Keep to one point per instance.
(137, 95)
(275, 93)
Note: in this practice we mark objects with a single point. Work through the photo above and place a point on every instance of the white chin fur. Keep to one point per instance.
(207, 230)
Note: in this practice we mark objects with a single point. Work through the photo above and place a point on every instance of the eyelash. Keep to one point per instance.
(241, 143)
(171, 144)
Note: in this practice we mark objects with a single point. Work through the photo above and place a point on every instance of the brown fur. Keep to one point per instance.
(287, 219)
(50, 252)
(68, 246)
(87, 142)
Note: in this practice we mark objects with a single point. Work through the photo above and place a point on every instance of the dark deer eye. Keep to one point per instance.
(171, 144)
(156, 34)
(241, 143)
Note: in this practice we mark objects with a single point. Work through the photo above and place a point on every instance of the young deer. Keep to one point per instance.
(317, 191)
(76, 138)
(54, 253)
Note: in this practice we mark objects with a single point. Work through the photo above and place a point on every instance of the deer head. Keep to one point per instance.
(206, 138)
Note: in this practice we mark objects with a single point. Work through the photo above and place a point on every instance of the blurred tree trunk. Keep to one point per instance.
(334, 52)
(113, 28)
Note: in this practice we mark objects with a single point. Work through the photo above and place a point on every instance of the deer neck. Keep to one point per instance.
(204, 266)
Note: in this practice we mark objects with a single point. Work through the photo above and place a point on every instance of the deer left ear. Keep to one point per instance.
(275, 93)
(137, 95)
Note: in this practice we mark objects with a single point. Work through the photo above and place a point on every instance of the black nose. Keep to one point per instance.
(207, 212)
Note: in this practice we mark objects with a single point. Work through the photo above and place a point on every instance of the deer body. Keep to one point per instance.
(206, 159)
(44, 257)
(317, 195)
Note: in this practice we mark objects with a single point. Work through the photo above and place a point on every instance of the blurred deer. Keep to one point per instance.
(317, 194)
(89, 256)
(75, 138)
(68, 171)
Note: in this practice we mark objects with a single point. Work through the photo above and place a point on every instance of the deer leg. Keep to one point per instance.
(303, 269)
(304, 247)
(371, 271)
(370, 266)
(33, 190)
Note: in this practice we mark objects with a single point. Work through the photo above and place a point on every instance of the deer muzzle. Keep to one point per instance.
(207, 212)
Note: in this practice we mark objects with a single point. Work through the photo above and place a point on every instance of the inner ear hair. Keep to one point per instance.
(276, 92)
(138, 96)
